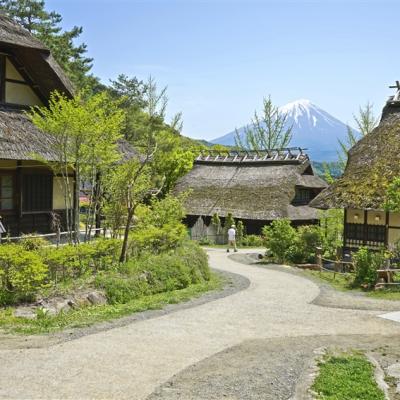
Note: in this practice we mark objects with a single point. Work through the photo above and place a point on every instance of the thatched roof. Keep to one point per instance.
(39, 64)
(372, 164)
(13, 33)
(21, 140)
(250, 189)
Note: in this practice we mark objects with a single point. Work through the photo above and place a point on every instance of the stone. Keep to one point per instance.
(96, 298)
(394, 370)
(25, 312)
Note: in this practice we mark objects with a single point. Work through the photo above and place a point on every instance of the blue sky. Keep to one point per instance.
(220, 58)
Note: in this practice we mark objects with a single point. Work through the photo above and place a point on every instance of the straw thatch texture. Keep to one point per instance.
(21, 140)
(13, 33)
(372, 164)
(28, 51)
(257, 191)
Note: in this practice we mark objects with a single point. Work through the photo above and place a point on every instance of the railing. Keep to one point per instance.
(56, 237)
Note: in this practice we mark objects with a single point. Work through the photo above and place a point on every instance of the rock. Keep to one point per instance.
(145, 276)
(394, 370)
(62, 306)
(96, 298)
(25, 312)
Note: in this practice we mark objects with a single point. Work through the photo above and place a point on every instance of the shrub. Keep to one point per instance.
(31, 243)
(252, 241)
(280, 236)
(73, 261)
(151, 274)
(205, 241)
(22, 273)
(303, 249)
(367, 263)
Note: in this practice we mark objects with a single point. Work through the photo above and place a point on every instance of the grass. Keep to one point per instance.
(346, 377)
(91, 315)
(342, 282)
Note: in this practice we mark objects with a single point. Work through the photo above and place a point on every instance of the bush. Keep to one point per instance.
(292, 245)
(22, 273)
(70, 261)
(252, 241)
(32, 243)
(151, 274)
(367, 263)
(280, 236)
(205, 241)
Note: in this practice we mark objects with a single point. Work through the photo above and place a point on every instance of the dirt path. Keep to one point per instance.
(134, 360)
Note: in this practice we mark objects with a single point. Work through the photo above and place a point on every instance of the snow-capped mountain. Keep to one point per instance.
(313, 128)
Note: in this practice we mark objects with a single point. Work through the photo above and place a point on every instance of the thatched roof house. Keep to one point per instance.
(256, 187)
(30, 193)
(372, 164)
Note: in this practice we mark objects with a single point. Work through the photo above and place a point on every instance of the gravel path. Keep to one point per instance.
(132, 361)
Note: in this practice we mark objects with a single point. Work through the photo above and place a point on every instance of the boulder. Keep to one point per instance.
(96, 298)
(25, 312)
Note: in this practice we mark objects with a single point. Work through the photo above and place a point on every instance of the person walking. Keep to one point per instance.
(232, 238)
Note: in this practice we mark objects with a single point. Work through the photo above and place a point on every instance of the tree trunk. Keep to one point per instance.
(124, 249)
(76, 204)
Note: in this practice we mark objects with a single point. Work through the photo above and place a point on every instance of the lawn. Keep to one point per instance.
(348, 376)
(90, 315)
(343, 282)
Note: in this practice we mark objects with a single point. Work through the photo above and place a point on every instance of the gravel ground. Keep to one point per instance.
(267, 369)
(132, 361)
(328, 296)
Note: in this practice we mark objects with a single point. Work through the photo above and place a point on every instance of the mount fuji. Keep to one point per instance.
(313, 129)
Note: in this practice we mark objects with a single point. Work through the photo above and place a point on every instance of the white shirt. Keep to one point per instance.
(231, 234)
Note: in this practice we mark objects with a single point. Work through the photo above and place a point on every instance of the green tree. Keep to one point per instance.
(85, 135)
(45, 25)
(392, 202)
(268, 131)
(128, 184)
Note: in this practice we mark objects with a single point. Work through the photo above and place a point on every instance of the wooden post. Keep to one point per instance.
(318, 258)
(337, 262)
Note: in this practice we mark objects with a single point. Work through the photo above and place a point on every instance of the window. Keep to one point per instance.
(37, 192)
(16, 88)
(6, 192)
(302, 197)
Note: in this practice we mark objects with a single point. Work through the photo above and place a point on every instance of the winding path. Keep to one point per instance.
(132, 361)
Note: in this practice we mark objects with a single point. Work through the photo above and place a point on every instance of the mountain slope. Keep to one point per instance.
(313, 128)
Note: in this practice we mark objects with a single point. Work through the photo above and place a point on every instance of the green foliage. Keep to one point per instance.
(367, 262)
(159, 227)
(22, 273)
(240, 231)
(90, 315)
(392, 202)
(280, 236)
(216, 222)
(331, 226)
(151, 274)
(229, 221)
(252, 241)
(32, 243)
(308, 238)
(173, 158)
(85, 133)
(346, 376)
(292, 245)
(267, 132)
(71, 262)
